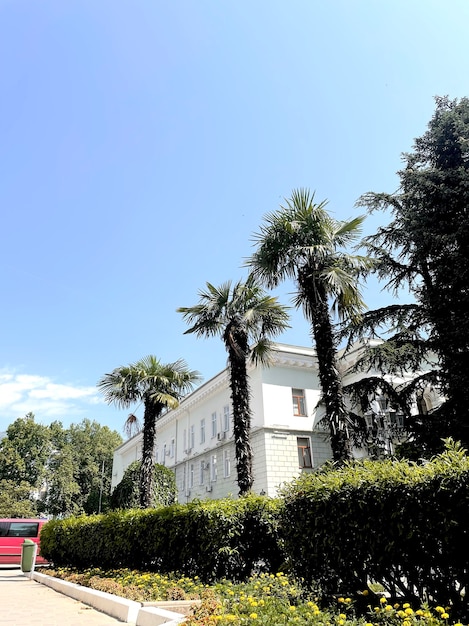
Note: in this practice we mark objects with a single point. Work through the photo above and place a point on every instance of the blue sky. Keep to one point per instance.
(142, 143)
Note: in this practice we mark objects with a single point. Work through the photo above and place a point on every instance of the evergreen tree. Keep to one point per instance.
(425, 249)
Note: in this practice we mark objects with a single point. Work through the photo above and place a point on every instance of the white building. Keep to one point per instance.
(196, 439)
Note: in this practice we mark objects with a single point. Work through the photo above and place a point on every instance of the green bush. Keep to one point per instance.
(403, 525)
(126, 495)
(209, 539)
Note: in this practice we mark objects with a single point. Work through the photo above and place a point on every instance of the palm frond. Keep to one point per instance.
(132, 426)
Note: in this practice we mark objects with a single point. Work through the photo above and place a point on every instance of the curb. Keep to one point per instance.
(127, 611)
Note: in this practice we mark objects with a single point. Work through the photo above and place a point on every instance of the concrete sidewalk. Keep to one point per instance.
(24, 602)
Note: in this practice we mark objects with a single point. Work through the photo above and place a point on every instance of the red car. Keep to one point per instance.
(13, 532)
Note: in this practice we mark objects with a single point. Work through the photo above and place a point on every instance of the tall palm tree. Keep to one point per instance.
(160, 387)
(243, 315)
(301, 241)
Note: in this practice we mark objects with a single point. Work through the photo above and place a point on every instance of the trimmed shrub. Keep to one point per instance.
(126, 495)
(209, 539)
(397, 523)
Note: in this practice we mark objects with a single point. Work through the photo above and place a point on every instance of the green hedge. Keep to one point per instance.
(403, 525)
(397, 523)
(209, 539)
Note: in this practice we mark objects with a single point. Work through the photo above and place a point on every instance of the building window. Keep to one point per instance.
(156, 455)
(202, 430)
(201, 472)
(192, 437)
(191, 475)
(226, 418)
(213, 467)
(163, 460)
(226, 464)
(173, 448)
(304, 452)
(299, 405)
(214, 425)
(185, 440)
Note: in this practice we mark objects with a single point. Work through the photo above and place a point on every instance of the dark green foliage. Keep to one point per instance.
(425, 249)
(126, 495)
(210, 539)
(393, 522)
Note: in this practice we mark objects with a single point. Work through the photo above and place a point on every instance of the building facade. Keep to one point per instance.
(287, 437)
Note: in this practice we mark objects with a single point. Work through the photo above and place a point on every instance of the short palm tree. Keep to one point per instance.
(246, 318)
(301, 241)
(160, 387)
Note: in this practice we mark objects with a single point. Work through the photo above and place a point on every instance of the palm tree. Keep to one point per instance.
(301, 241)
(160, 387)
(243, 315)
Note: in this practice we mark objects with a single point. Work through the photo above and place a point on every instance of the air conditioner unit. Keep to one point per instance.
(221, 436)
(209, 489)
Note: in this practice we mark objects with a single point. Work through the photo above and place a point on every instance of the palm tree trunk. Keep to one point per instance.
(149, 435)
(240, 396)
(329, 377)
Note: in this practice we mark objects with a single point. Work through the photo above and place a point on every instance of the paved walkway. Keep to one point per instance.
(24, 602)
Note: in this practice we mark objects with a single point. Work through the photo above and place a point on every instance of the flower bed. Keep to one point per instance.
(266, 599)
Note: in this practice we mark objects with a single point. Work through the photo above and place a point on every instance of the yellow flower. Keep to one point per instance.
(383, 600)
(439, 609)
(406, 623)
(253, 615)
(292, 608)
(444, 615)
(368, 624)
(365, 592)
(388, 607)
(406, 605)
(348, 600)
(341, 600)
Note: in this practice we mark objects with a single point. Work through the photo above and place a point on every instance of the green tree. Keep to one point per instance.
(77, 476)
(15, 499)
(63, 467)
(160, 387)
(301, 241)
(62, 495)
(126, 495)
(242, 314)
(24, 451)
(424, 249)
(93, 448)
